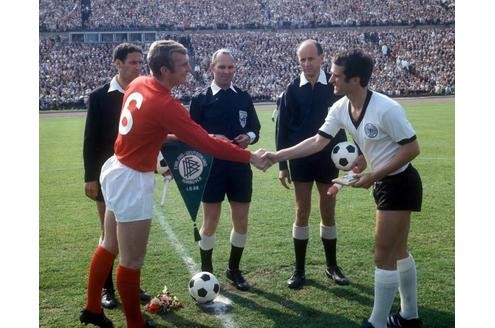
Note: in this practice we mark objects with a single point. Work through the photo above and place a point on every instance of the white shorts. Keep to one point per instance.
(128, 193)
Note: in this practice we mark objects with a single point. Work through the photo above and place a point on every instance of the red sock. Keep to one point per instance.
(100, 266)
(128, 282)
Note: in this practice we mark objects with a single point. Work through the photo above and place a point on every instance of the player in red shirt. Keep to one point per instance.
(149, 114)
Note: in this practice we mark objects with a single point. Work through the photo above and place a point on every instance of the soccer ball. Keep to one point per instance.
(161, 164)
(204, 287)
(344, 154)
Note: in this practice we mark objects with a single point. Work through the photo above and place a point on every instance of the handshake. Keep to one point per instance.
(263, 159)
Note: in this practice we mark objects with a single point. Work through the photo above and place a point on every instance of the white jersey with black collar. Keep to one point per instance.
(379, 131)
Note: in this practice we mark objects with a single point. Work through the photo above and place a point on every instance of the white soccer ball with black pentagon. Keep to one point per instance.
(344, 154)
(204, 287)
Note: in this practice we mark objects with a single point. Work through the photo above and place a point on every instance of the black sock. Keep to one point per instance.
(206, 261)
(235, 257)
(330, 247)
(109, 282)
(300, 246)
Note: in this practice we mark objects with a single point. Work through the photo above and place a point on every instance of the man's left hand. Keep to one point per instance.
(242, 140)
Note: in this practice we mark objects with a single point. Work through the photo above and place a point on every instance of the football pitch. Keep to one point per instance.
(69, 231)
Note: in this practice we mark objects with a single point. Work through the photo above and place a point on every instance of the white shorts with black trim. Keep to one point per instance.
(128, 193)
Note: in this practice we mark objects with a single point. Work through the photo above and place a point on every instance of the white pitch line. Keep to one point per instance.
(192, 267)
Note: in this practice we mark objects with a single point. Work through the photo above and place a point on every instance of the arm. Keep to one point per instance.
(89, 148)
(177, 121)
(405, 155)
(195, 109)
(90, 139)
(305, 148)
(253, 126)
(281, 132)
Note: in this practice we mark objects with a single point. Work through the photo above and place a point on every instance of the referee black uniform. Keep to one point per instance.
(230, 113)
(102, 127)
(302, 112)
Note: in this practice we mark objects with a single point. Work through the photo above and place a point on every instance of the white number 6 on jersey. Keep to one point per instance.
(125, 123)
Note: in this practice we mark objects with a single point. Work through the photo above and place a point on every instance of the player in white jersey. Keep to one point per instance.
(379, 126)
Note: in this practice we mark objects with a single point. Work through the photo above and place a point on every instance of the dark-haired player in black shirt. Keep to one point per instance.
(102, 125)
(227, 112)
(303, 110)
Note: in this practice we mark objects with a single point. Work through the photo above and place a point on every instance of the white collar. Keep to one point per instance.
(115, 85)
(322, 79)
(215, 88)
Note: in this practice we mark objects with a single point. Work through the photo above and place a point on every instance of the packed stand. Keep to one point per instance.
(233, 14)
(408, 62)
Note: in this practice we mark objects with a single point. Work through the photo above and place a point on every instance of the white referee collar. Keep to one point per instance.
(322, 79)
(215, 88)
(115, 85)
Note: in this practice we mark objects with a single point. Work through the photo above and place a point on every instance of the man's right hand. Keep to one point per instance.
(284, 177)
(91, 189)
(259, 161)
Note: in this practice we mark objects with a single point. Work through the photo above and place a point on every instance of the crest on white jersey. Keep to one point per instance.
(371, 130)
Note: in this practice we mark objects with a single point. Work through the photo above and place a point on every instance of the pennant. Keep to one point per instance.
(190, 169)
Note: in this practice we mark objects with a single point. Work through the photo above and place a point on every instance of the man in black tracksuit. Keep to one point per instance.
(102, 127)
(227, 112)
(303, 110)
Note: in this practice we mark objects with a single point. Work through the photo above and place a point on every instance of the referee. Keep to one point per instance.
(303, 110)
(102, 124)
(227, 112)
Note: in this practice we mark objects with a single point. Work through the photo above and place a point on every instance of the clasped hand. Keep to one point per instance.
(261, 160)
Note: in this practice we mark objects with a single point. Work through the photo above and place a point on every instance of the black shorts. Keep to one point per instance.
(229, 178)
(318, 167)
(399, 192)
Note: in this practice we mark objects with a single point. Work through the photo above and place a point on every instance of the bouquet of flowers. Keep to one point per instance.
(163, 303)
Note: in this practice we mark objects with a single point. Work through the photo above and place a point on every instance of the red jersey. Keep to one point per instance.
(149, 114)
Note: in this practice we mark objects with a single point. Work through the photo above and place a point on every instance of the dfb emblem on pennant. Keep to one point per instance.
(243, 118)
(190, 165)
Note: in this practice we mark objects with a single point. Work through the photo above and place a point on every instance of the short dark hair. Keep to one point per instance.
(356, 64)
(160, 54)
(122, 50)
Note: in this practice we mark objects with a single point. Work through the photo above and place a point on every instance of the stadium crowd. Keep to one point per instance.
(409, 61)
(233, 14)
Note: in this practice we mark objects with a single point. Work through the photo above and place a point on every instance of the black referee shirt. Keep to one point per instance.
(102, 127)
(302, 112)
(228, 112)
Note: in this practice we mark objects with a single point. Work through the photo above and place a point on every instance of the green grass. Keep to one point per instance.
(69, 231)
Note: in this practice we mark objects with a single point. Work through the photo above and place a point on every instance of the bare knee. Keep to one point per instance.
(240, 225)
(209, 226)
(385, 258)
(302, 215)
(110, 246)
(135, 262)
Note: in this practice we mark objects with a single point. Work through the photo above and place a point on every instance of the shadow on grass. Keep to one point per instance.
(301, 315)
(310, 317)
(177, 320)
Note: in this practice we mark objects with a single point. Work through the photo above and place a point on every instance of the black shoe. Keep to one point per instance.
(366, 324)
(237, 279)
(144, 296)
(296, 281)
(108, 300)
(99, 320)
(335, 273)
(397, 321)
